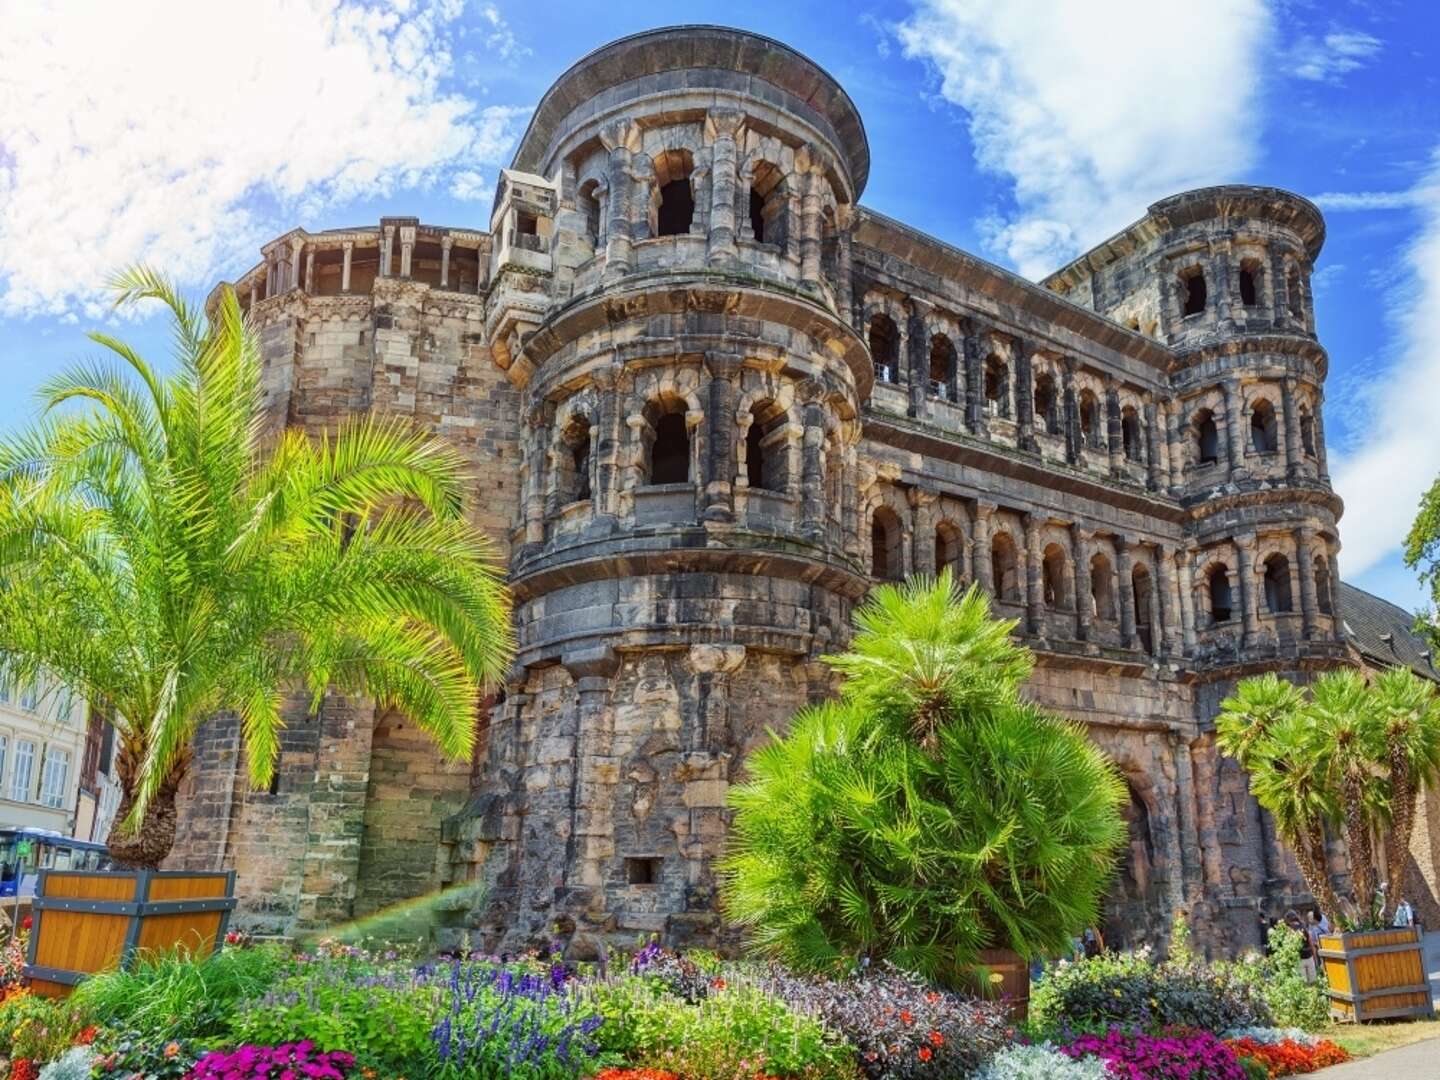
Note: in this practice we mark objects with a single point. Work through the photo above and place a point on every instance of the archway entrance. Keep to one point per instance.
(1133, 912)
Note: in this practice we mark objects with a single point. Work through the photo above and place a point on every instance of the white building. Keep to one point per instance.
(42, 742)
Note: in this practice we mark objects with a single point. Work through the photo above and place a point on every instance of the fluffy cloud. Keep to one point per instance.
(168, 132)
(1086, 109)
(1333, 56)
(1394, 454)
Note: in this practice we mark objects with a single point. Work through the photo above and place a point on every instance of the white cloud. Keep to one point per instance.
(1394, 454)
(1091, 118)
(170, 132)
(1365, 200)
(1333, 56)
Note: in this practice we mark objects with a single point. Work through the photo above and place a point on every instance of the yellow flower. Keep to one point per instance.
(1116, 992)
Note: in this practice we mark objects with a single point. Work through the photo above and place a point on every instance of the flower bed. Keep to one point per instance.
(1289, 1056)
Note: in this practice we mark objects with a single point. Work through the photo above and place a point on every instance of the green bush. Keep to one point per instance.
(1293, 1002)
(37, 1028)
(927, 814)
(166, 995)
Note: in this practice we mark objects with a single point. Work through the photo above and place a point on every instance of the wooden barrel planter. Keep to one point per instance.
(94, 920)
(1006, 977)
(1374, 974)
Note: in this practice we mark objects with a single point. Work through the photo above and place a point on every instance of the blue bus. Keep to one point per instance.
(25, 852)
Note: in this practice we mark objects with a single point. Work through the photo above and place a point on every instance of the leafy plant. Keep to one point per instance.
(1041, 1062)
(1174, 1055)
(292, 1061)
(1293, 1002)
(74, 1064)
(929, 813)
(124, 1055)
(166, 555)
(37, 1028)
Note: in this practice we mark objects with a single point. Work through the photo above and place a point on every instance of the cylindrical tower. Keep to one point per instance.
(690, 392)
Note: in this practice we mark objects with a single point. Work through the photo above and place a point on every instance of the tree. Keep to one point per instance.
(1422, 552)
(166, 556)
(929, 813)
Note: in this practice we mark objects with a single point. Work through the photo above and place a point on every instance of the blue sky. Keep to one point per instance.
(1023, 130)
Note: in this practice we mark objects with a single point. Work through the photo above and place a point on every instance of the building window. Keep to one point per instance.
(1130, 434)
(1144, 616)
(1090, 422)
(1292, 289)
(1047, 403)
(1207, 437)
(23, 774)
(1322, 589)
(1277, 585)
(669, 450)
(1192, 291)
(1005, 568)
(674, 197)
(1102, 588)
(765, 450)
(942, 368)
(885, 536)
(1249, 283)
(29, 697)
(1218, 584)
(54, 776)
(767, 205)
(1052, 570)
(587, 201)
(574, 461)
(949, 550)
(997, 387)
(644, 870)
(884, 347)
(1263, 436)
(1307, 432)
(4, 752)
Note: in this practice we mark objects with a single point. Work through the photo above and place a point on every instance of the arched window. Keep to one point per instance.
(884, 347)
(942, 367)
(1207, 438)
(1277, 584)
(1262, 427)
(1130, 434)
(1192, 291)
(767, 205)
(670, 442)
(1102, 587)
(574, 480)
(1090, 422)
(885, 558)
(1218, 583)
(1322, 585)
(587, 201)
(1292, 291)
(1004, 568)
(674, 197)
(1047, 403)
(1250, 283)
(949, 550)
(1307, 432)
(1052, 569)
(1144, 612)
(997, 387)
(766, 464)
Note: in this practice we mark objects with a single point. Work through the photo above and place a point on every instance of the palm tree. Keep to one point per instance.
(167, 557)
(1344, 721)
(1408, 707)
(929, 813)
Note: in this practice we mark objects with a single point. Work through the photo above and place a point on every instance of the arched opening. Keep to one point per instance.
(885, 556)
(1135, 911)
(1047, 403)
(1130, 434)
(674, 197)
(884, 347)
(1307, 432)
(1250, 283)
(949, 550)
(766, 464)
(1102, 587)
(1207, 438)
(1140, 585)
(1192, 291)
(1292, 292)
(587, 201)
(1322, 585)
(1217, 583)
(1005, 568)
(942, 367)
(1277, 584)
(997, 387)
(670, 442)
(1052, 569)
(574, 481)
(1090, 423)
(767, 205)
(1263, 436)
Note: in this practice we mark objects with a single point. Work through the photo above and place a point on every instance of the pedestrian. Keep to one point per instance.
(1093, 942)
(1307, 950)
(1404, 913)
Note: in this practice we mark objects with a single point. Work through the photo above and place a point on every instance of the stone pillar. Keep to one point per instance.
(1290, 415)
(1245, 572)
(536, 455)
(252, 296)
(812, 460)
(1072, 411)
(844, 287)
(1330, 557)
(445, 244)
(310, 272)
(387, 246)
(349, 250)
(1169, 615)
(1189, 825)
(1186, 584)
(1025, 397)
(719, 481)
(1114, 434)
(1154, 475)
(1230, 307)
(1322, 458)
(722, 128)
(1235, 425)
(1125, 570)
(1084, 599)
(974, 385)
(578, 750)
(620, 140)
(1034, 573)
(1176, 444)
(984, 566)
(917, 342)
(809, 164)
(293, 281)
(1305, 554)
(407, 248)
(609, 439)
(1279, 289)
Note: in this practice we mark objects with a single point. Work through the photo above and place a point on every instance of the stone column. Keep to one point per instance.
(1186, 583)
(1169, 616)
(1154, 475)
(974, 385)
(445, 245)
(984, 566)
(719, 483)
(1025, 397)
(1322, 459)
(812, 460)
(1235, 425)
(1113, 432)
(1330, 557)
(1084, 598)
(294, 279)
(1034, 573)
(387, 246)
(536, 455)
(252, 295)
(1305, 551)
(348, 247)
(1279, 288)
(1072, 411)
(809, 164)
(1125, 570)
(917, 341)
(407, 248)
(722, 128)
(1176, 444)
(1245, 571)
(310, 272)
(1231, 306)
(578, 751)
(1189, 826)
(609, 439)
(844, 286)
(620, 140)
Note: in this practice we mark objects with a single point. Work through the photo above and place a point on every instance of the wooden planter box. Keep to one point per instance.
(1376, 973)
(94, 920)
(1013, 984)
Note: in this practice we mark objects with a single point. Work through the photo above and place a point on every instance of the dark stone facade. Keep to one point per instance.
(709, 400)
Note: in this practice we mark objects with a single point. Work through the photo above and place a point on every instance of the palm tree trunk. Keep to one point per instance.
(143, 848)
(1402, 811)
(1362, 856)
(1315, 871)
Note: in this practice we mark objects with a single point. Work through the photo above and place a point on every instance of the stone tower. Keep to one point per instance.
(709, 400)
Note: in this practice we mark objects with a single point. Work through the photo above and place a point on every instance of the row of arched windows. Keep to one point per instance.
(1194, 291)
(1264, 432)
(1275, 580)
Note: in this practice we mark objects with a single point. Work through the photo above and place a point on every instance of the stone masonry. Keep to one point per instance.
(709, 400)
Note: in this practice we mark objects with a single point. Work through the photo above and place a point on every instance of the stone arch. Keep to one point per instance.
(1194, 290)
(1135, 908)
(1047, 399)
(950, 544)
(1252, 276)
(1205, 436)
(1132, 436)
(944, 366)
(1102, 587)
(1145, 598)
(1264, 427)
(882, 334)
(1321, 571)
(886, 545)
(673, 200)
(996, 373)
(669, 453)
(767, 201)
(572, 452)
(1004, 555)
(1092, 422)
(897, 543)
(1055, 577)
(1275, 578)
(590, 203)
(1216, 592)
(766, 446)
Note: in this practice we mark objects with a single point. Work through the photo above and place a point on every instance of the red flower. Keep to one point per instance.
(925, 1053)
(87, 1036)
(27, 922)
(937, 1039)
(932, 997)
(906, 1017)
(717, 983)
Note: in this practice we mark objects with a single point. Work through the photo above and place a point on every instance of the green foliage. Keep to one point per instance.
(1422, 550)
(170, 994)
(74, 1064)
(166, 555)
(927, 814)
(124, 1055)
(1128, 989)
(1293, 1002)
(37, 1028)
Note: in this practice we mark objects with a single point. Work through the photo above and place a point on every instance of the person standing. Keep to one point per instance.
(1307, 950)
(1404, 913)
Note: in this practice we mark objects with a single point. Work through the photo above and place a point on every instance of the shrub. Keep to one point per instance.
(1128, 989)
(36, 1028)
(929, 813)
(1289, 1057)
(899, 1026)
(125, 1055)
(1293, 1002)
(288, 1062)
(165, 995)
(1174, 1055)
(680, 975)
(74, 1064)
(1041, 1062)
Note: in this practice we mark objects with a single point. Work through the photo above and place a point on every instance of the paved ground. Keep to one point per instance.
(1418, 1061)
